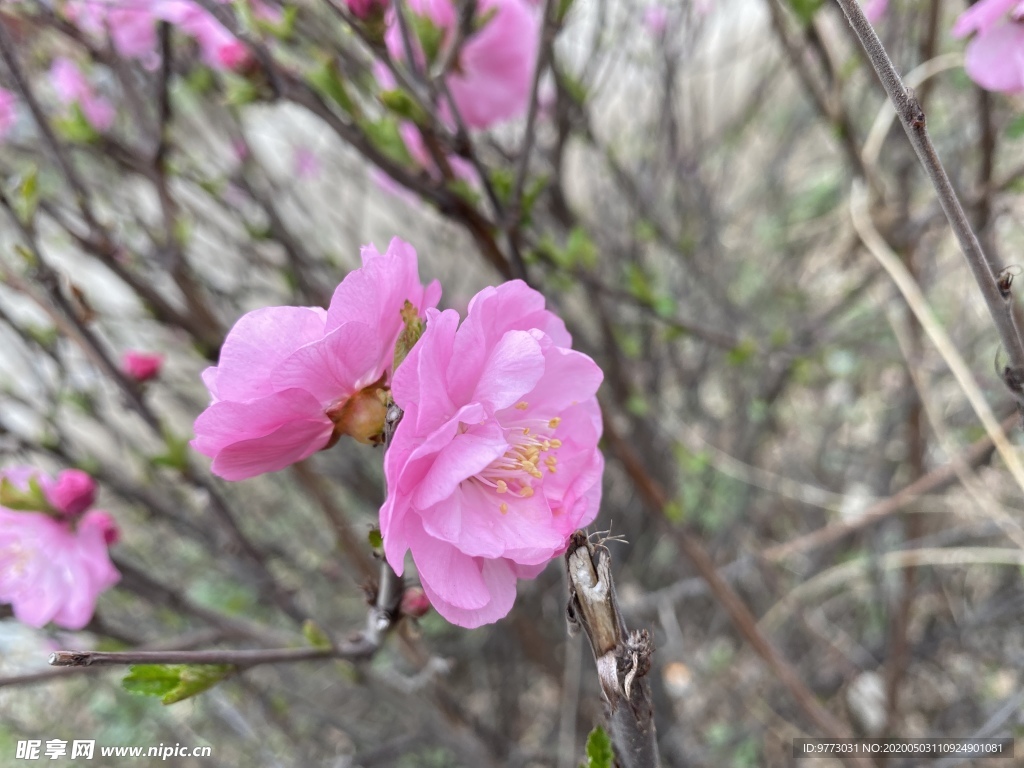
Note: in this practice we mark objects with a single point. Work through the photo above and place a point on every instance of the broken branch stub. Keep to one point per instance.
(623, 658)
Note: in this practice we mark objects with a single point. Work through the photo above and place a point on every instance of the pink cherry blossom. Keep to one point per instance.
(495, 462)
(54, 569)
(71, 87)
(492, 77)
(8, 112)
(995, 55)
(141, 366)
(131, 26)
(291, 380)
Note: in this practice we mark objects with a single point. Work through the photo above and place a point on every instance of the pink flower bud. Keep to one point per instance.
(141, 366)
(414, 603)
(73, 493)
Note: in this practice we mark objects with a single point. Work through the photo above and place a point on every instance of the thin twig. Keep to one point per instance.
(985, 271)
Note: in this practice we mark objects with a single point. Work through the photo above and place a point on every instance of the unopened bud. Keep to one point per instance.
(360, 416)
(414, 603)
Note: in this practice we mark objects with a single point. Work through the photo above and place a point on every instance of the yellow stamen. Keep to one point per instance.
(522, 405)
(555, 422)
(526, 491)
(556, 443)
(502, 486)
(503, 507)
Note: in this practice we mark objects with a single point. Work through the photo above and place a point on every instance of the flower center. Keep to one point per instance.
(532, 453)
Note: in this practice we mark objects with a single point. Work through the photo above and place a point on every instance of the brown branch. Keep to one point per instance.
(623, 658)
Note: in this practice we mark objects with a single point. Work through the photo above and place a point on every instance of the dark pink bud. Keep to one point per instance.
(73, 493)
(141, 366)
(414, 603)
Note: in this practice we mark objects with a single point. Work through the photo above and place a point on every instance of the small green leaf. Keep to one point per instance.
(599, 749)
(1015, 129)
(674, 511)
(375, 538)
(385, 136)
(28, 195)
(240, 92)
(283, 29)
(76, 127)
(151, 679)
(742, 352)
(430, 35)
(31, 500)
(411, 332)
(403, 105)
(315, 635)
(328, 82)
(805, 9)
(174, 683)
(176, 455)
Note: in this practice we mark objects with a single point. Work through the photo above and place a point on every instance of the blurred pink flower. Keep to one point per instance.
(54, 569)
(491, 79)
(305, 163)
(8, 111)
(72, 88)
(495, 462)
(874, 10)
(291, 380)
(141, 366)
(131, 25)
(994, 58)
(656, 19)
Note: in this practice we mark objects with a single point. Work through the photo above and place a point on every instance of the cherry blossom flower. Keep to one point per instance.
(292, 380)
(131, 26)
(8, 112)
(72, 88)
(994, 58)
(53, 568)
(491, 80)
(141, 366)
(495, 462)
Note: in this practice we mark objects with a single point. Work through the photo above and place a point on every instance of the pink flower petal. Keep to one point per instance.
(995, 58)
(500, 581)
(982, 16)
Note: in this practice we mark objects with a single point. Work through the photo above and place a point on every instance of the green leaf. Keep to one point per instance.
(176, 455)
(411, 332)
(1016, 128)
(151, 679)
(430, 35)
(76, 127)
(328, 82)
(174, 682)
(599, 749)
(375, 538)
(742, 352)
(27, 200)
(31, 500)
(284, 28)
(564, 6)
(240, 92)
(580, 249)
(315, 635)
(805, 9)
(403, 105)
(385, 136)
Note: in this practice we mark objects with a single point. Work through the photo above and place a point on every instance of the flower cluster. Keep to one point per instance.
(495, 461)
(53, 549)
(489, 79)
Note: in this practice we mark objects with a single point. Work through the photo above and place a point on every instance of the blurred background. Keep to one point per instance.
(689, 184)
